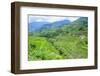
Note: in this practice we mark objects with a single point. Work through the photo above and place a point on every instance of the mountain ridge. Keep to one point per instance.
(35, 26)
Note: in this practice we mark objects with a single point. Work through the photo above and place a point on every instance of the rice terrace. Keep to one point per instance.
(57, 37)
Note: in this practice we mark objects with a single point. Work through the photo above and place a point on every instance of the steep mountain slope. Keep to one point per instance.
(56, 24)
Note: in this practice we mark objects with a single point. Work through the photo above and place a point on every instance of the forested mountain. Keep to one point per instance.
(37, 26)
(59, 40)
(34, 26)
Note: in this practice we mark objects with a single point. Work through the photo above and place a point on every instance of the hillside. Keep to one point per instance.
(37, 26)
(66, 41)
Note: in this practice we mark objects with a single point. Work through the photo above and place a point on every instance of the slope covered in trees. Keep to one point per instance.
(68, 41)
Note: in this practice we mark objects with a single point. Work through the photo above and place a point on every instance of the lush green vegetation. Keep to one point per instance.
(64, 42)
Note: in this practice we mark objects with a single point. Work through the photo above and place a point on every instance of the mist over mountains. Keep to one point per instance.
(35, 26)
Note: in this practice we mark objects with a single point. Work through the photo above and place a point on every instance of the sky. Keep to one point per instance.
(49, 19)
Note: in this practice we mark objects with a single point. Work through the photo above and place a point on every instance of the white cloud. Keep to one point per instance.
(49, 18)
(53, 19)
(72, 18)
(39, 20)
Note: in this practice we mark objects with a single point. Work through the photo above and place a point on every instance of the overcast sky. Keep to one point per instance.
(50, 18)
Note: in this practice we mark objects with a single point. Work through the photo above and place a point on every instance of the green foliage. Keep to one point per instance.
(66, 42)
(40, 48)
(71, 46)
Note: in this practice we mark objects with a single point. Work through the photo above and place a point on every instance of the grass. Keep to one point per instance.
(40, 49)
